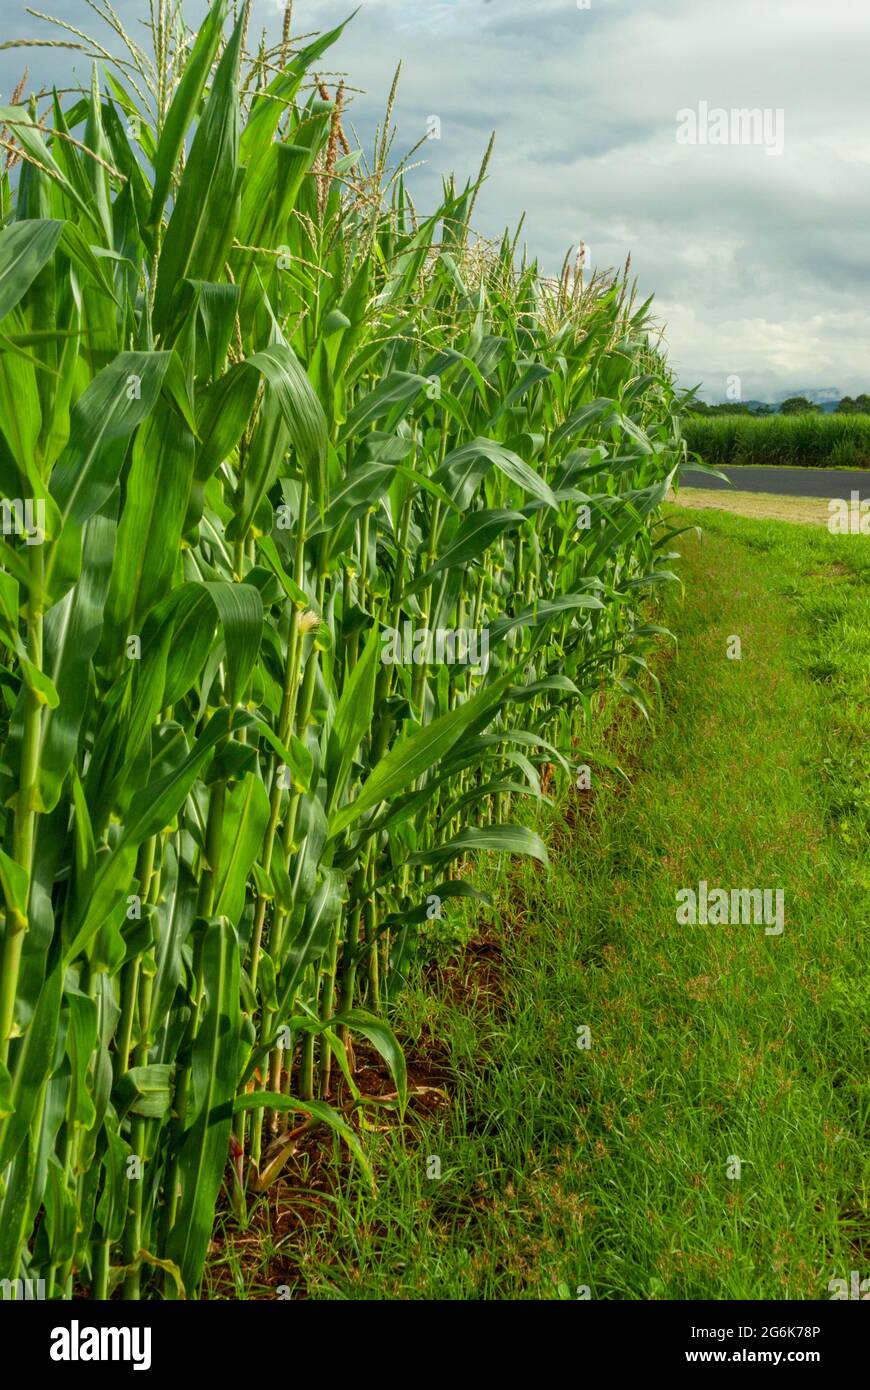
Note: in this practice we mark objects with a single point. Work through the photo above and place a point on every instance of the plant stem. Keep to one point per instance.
(25, 808)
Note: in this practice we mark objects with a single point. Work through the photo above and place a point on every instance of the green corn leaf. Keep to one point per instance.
(240, 610)
(145, 1091)
(416, 754)
(30, 1065)
(151, 810)
(352, 717)
(475, 534)
(303, 413)
(118, 399)
(244, 824)
(201, 227)
(81, 1037)
(504, 839)
(25, 247)
(214, 1072)
(149, 533)
(72, 632)
(183, 108)
(267, 106)
(15, 882)
(22, 124)
(463, 469)
(313, 936)
(381, 1036)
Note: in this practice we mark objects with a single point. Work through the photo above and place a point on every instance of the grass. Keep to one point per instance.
(566, 1170)
(818, 441)
(294, 418)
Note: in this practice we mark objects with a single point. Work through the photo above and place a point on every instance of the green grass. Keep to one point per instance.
(607, 1167)
(272, 417)
(817, 441)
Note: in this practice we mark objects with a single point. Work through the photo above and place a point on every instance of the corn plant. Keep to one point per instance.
(274, 425)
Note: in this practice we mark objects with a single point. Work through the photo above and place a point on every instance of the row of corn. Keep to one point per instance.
(325, 528)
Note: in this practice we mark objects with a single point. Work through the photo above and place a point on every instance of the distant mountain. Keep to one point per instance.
(825, 396)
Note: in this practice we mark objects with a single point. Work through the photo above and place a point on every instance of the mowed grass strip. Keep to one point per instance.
(715, 1050)
(809, 511)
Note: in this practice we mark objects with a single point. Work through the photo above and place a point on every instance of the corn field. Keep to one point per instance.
(327, 528)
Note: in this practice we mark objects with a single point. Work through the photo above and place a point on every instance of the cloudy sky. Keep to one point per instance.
(758, 261)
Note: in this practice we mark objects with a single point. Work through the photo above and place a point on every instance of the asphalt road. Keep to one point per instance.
(788, 482)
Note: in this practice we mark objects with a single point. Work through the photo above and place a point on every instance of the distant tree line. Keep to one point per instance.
(795, 405)
(731, 408)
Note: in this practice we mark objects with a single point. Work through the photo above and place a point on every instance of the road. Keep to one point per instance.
(788, 482)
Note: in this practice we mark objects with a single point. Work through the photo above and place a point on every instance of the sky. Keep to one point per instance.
(613, 126)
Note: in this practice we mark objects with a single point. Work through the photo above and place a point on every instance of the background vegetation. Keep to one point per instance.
(801, 440)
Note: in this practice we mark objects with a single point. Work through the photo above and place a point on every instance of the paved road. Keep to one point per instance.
(789, 482)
